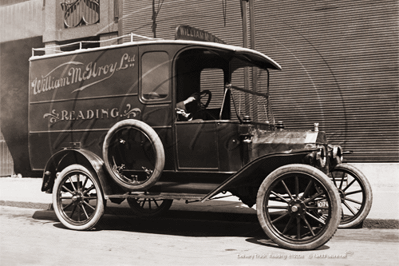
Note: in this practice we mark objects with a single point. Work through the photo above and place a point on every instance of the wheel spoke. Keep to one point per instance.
(84, 210)
(142, 205)
(84, 184)
(88, 189)
(305, 193)
(73, 210)
(353, 192)
(298, 227)
(77, 184)
(349, 208)
(66, 207)
(67, 189)
(296, 186)
(333, 177)
(279, 196)
(308, 225)
(342, 181)
(88, 205)
(73, 186)
(286, 188)
(280, 217)
(354, 201)
(313, 197)
(288, 224)
(79, 212)
(156, 203)
(278, 207)
(350, 184)
(315, 218)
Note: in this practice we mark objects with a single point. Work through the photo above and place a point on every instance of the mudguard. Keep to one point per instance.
(258, 169)
(67, 157)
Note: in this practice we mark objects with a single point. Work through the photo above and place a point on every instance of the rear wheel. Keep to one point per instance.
(298, 207)
(77, 198)
(149, 207)
(356, 194)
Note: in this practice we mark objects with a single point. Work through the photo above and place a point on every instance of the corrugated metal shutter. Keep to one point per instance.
(206, 15)
(340, 69)
(6, 161)
(21, 20)
(339, 59)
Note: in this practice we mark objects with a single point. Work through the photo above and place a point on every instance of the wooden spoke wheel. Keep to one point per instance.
(149, 207)
(77, 198)
(355, 192)
(298, 207)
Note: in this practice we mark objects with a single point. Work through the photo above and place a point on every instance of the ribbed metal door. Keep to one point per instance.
(339, 60)
(6, 161)
(340, 69)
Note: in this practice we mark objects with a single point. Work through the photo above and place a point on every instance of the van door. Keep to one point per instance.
(196, 145)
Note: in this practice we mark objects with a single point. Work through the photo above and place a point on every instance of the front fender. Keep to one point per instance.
(63, 158)
(254, 172)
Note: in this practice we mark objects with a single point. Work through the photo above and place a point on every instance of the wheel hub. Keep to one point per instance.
(341, 194)
(77, 197)
(296, 207)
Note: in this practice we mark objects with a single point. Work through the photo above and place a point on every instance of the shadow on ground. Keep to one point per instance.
(183, 223)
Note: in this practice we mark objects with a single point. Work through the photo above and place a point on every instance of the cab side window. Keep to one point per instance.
(155, 76)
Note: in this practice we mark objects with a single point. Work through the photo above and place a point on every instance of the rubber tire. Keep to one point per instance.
(140, 212)
(367, 194)
(330, 189)
(98, 213)
(156, 143)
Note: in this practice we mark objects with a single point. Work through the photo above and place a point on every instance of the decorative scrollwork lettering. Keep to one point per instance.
(135, 112)
(54, 116)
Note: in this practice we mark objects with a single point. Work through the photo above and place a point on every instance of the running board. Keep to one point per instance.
(157, 195)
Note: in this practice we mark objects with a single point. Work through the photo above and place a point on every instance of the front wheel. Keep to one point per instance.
(77, 198)
(298, 207)
(356, 194)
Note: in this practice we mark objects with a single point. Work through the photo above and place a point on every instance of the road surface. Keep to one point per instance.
(35, 237)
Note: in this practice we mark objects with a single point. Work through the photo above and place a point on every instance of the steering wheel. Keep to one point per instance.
(202, 95)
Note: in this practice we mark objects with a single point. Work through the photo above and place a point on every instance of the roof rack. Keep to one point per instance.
(56, 48)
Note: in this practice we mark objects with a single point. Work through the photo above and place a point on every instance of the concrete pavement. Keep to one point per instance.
(25, 192)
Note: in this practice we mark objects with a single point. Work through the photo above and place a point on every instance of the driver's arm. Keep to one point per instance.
(181, 107)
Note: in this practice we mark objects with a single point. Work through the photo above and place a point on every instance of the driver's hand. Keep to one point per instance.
(189, 100)
(182, 112)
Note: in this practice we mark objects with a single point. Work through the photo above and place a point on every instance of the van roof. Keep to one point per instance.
(247, 54)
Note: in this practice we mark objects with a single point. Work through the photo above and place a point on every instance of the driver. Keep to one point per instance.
(190, 108)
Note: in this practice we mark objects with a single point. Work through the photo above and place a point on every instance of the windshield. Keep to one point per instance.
(230, 86)
(250, 95)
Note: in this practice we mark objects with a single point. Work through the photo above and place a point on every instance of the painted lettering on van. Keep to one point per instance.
(101, 113)
(76, 74)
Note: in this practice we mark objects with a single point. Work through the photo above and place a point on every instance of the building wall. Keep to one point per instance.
(6, 161)
(339, 60)
(14, 76)
(21, 19)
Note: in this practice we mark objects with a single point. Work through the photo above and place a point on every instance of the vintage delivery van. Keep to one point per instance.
(156, 120)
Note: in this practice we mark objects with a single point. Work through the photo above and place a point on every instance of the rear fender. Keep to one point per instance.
(63, 158)
(257, 170)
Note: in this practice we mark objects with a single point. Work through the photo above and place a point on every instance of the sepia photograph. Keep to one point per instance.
(212, 132)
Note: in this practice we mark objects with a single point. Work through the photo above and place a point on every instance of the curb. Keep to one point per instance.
(368, 223)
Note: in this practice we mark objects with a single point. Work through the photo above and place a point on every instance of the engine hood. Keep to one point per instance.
(266, 142)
